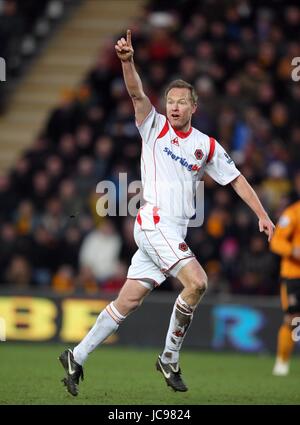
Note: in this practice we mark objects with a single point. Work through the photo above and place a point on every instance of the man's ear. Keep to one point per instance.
(194, 108)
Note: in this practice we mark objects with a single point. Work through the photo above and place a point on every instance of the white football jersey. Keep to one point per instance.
(173, 161)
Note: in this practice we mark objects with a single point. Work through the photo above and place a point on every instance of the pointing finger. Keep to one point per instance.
(129, 38)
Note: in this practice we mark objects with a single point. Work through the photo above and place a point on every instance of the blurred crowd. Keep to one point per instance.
(238, 56)
(17, 18)
(24, 25)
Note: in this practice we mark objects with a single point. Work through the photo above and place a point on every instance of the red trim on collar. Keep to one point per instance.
(183, 134)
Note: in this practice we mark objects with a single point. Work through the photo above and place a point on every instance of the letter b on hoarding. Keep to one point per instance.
(28, 318)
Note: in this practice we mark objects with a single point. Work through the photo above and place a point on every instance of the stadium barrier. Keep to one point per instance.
(245, 324)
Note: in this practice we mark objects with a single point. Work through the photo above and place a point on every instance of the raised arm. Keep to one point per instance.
(141, 103)
(248, 195)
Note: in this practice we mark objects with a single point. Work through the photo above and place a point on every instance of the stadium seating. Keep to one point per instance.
(239, 60)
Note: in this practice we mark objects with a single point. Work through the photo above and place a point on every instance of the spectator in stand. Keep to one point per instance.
(63, 280)
(41, 190)
(44, 257)
(25, 219)
(100, 250)
(19, 273)
(70, 248)
(8, 244)
(8, 198)
(257, 268)
(247, 100)
(71, 204)
(85, 177)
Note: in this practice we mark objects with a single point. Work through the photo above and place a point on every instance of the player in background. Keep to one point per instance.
(286, 243)
(172, 152)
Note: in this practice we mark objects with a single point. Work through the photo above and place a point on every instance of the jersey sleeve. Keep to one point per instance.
(280, 242)
(152, 125)
(220, 167)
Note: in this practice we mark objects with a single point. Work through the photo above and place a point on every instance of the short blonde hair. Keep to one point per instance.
(181, 84)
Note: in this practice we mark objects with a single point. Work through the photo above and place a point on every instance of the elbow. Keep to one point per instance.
(237, 181)
(136, 96)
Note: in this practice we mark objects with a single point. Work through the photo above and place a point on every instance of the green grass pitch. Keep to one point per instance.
(31, 374)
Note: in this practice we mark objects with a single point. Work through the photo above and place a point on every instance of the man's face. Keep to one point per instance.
(180, 108)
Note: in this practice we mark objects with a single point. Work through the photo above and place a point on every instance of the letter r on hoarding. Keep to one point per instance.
(2, 329)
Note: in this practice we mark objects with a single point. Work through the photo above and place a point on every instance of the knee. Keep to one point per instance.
(198, 284)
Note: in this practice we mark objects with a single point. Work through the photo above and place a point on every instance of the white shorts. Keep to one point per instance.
(162, 252)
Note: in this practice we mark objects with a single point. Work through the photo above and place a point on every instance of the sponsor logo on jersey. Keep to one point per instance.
(183, 246)
(175, 141)
(182, 161)
(198, 154)
(229, 160)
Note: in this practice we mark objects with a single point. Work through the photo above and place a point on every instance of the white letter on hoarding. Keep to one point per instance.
(296, 330)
